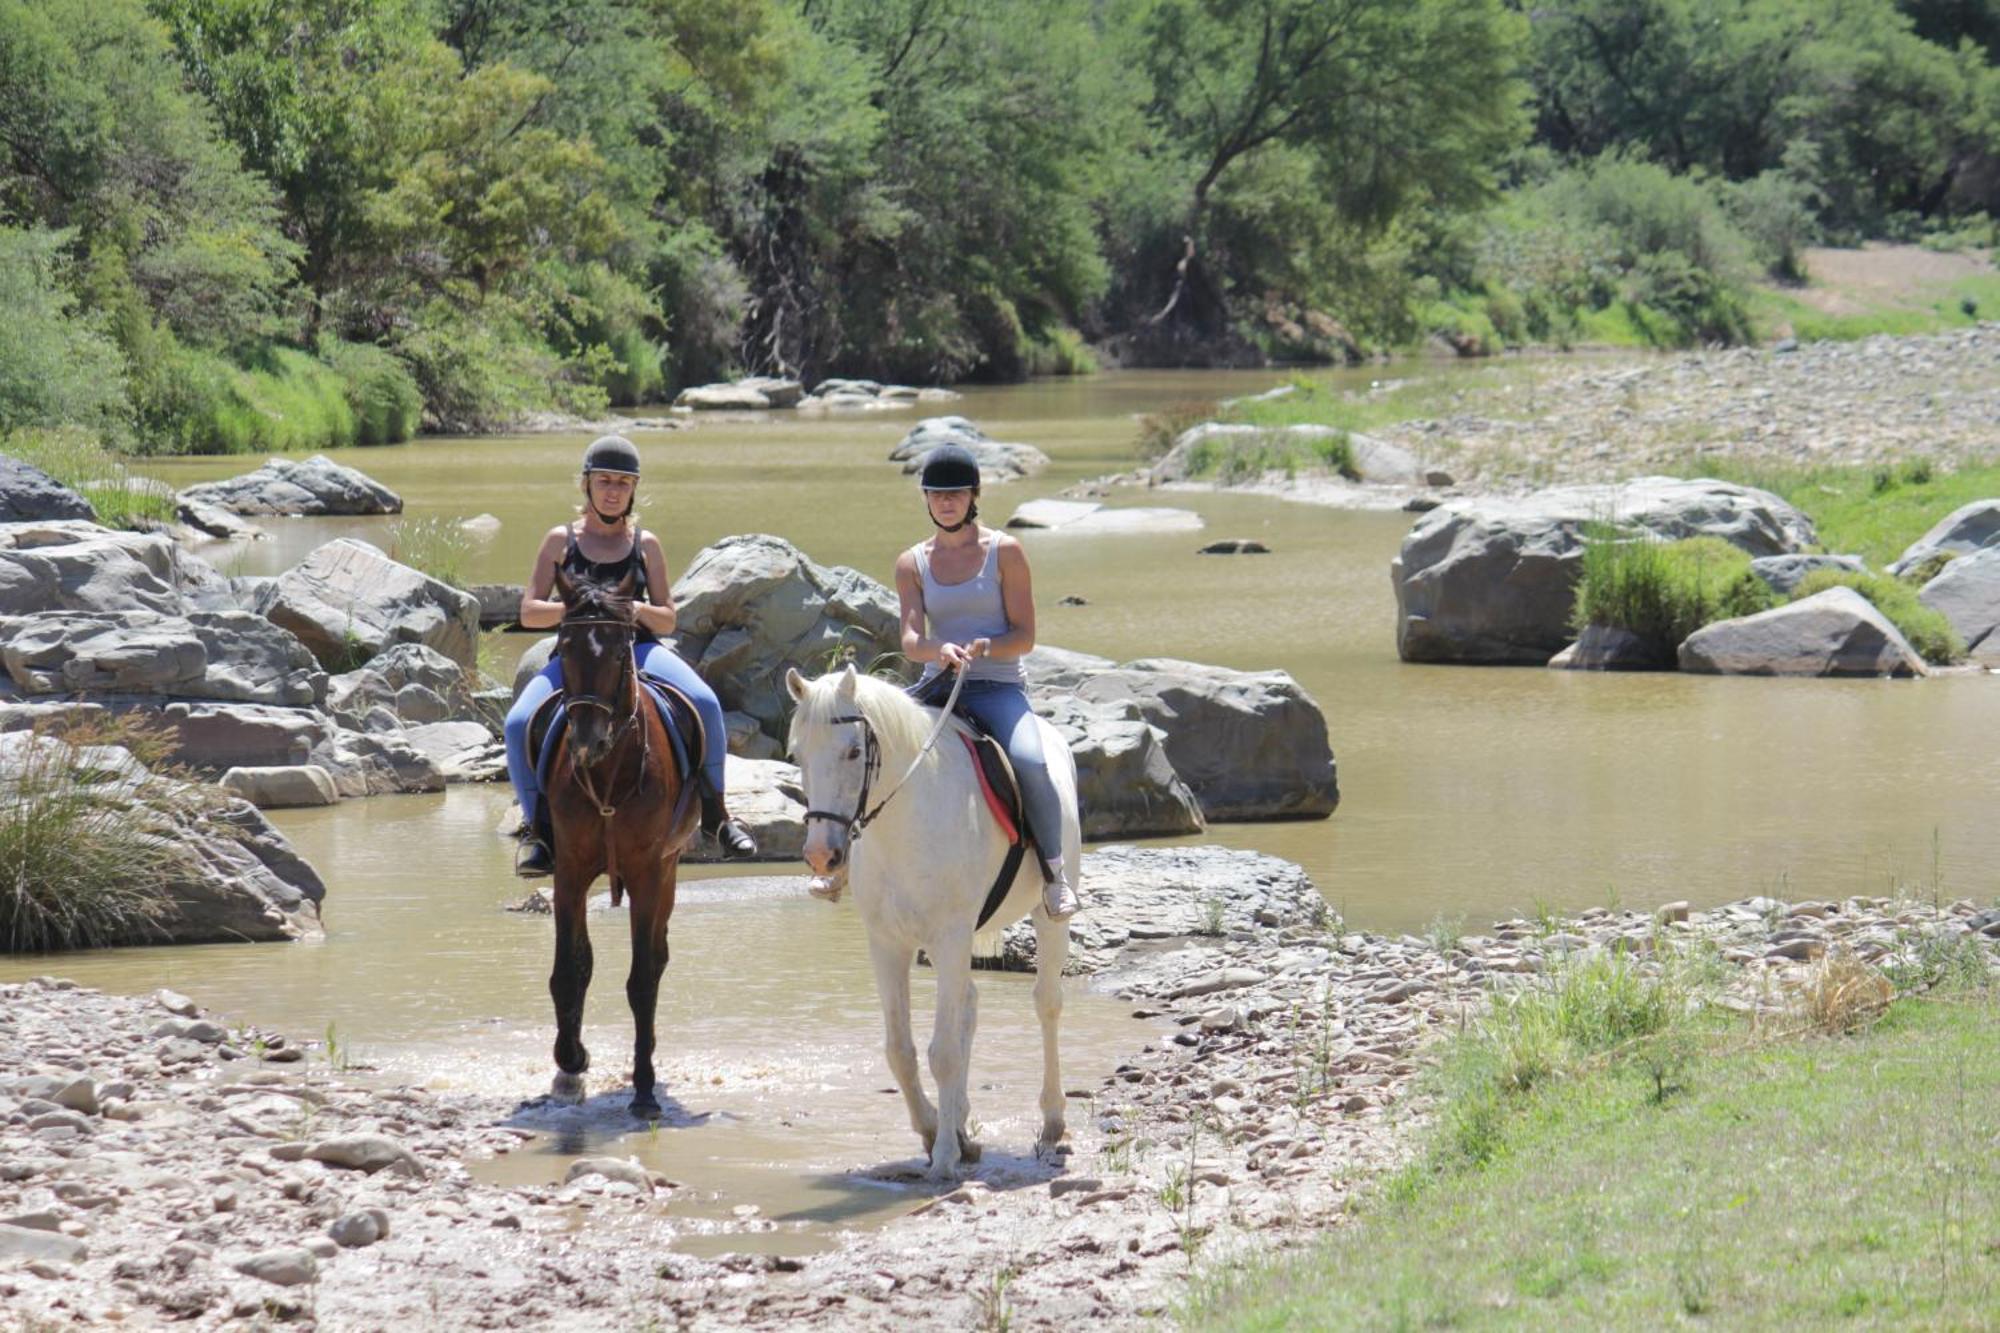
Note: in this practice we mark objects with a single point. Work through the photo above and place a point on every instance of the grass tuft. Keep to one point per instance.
(1841, 995)
(1928, 631)
(79, 461)
(438, 547)
(1663, 591)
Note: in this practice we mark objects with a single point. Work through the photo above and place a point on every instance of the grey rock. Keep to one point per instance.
(377, 763)
(1126, 785)
(367, 1153)
(231, 735)
(286, 486)
(1786, 572)
(998, 462)
(1609, 648)
(1235, 546)
(30, 1244)
(75, 566)
(1834, 633)
(28, 493)
(1968, 528)
(1494, 581)
(229, 655)
(290, 1266)
(289, 787)
(738, 397)
(766, 796)
(1966, 592)
(613, 1169)
(1087, 518)
(355, 1231)
(347, 602)
(499, 604)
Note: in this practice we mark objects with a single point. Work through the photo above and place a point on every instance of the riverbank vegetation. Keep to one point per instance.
(237, 226)
(1617, 1148)
(1661, 592)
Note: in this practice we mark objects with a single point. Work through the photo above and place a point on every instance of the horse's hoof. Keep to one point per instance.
(969, 1150)
(645, 1108)
(1053, 1132)
(567, 1088)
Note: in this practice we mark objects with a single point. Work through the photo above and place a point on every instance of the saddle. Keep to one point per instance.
(1002, 791)
(684, 730)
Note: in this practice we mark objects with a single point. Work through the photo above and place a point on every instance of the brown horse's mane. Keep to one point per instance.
(598, 597)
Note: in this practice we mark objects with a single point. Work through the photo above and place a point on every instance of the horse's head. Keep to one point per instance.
(836, 752)
(594, 645)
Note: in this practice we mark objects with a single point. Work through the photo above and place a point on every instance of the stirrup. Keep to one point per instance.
(534, 860)
(734, 840)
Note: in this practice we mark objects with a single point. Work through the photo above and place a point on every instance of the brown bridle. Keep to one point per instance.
(629, 686)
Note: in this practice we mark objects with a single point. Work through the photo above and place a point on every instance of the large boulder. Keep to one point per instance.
(348, 602)
(225, 873)
(416, 683)
(1971, 527)
(226, 735)
(1375, 461)
(1126, 785)
(1494, 580)
(229, 655)
(74, 566)
(743, 396)
(499, 604)
(377, 763)
(1248, 744)
(287, 486)
(1833, 633)
(283, 787)
(1967, 593)
(765, 794)
(27, 493)
(1784, 573)
(752, 606)
(998, 462)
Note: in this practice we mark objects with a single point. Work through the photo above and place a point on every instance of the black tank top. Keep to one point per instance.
(578, 565)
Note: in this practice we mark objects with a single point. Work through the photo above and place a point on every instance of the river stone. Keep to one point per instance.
(767, 796)
(1248, 744)
(27, 493)
(317, 486)
(1786, 572)
(998, 462)
(212, 520)
(377, 763)
(29, 1244)
(289, 787)
(228, 655)
(499, 604)
(463, 748)
(415, 682)
(366, 1153)
(1126, 786)
(357, 1231)
(1161, 893)
(1609, 648)
(291, 1266)
(1833, 633)
(1494, 580)
(1967, 593)
(1235, 546)
(610, 1169)
(230, 735)
(747, 739)
(1971, 527)
(1088, 519)
(347, 602)
(752, 606)
(739, 397)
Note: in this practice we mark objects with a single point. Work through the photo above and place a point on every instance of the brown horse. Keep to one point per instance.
(616, 808)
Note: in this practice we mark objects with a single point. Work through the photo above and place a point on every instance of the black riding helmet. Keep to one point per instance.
(612, 453)
(951, 467)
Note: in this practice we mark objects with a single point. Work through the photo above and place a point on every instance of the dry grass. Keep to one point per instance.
(1840, 995)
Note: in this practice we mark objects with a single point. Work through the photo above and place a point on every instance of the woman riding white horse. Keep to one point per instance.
(921, 875)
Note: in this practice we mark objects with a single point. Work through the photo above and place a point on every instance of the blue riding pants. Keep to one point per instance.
(1002, 708)
(655, 659)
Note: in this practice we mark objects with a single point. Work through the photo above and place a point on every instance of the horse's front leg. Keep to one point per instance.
(652, 905)
(570, 979)
(892, 985)
(1051, 952)
(951, 1051)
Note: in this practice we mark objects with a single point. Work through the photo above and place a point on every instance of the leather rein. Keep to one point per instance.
(619, 727)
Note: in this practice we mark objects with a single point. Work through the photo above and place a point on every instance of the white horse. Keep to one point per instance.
(920, 876)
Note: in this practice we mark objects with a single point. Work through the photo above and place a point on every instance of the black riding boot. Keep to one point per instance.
(535, 860)
(729, 834)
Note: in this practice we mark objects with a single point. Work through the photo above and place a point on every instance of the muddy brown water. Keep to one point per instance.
(1467, 794)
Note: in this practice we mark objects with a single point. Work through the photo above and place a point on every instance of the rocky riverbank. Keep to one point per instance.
(155, 1165)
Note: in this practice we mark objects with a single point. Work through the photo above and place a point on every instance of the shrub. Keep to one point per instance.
(77, 869)
(380, 391)
(79, 462)
(1060, 351)
(56, 367)
(1159, 430)
(1928, 631)
(1662, 591)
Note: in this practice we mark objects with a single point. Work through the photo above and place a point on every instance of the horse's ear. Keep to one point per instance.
(795, 684)
(845, 690)
(629, 585)
(565, 590)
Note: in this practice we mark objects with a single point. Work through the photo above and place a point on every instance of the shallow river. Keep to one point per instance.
(1466, 793)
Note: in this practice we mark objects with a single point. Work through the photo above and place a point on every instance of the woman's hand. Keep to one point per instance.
(954, 657)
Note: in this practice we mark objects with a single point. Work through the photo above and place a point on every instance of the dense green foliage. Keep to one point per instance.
(1928, 631)
(1663, 591)
(463, 210)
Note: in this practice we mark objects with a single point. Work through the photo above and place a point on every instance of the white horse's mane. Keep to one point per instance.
(901, 724)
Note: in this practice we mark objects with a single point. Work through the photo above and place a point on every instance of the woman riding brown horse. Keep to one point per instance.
(619, 809)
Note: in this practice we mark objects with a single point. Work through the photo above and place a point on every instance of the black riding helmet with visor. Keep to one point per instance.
(951, 467)
(609, 453)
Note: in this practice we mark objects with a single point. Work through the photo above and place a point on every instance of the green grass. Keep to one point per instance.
(1802, 1182)
(77, 869)
(1956, 305)
(79, 461)
(1663, 591)
(1928, 631)
(438, 547)
(1874, 513)
(1246, 458)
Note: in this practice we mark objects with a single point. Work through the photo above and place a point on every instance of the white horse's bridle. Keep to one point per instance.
(854, 824)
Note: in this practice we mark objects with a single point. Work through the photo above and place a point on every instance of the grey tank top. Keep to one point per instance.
(974, 609)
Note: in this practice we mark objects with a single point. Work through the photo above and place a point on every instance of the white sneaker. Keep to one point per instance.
(1058, 898)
